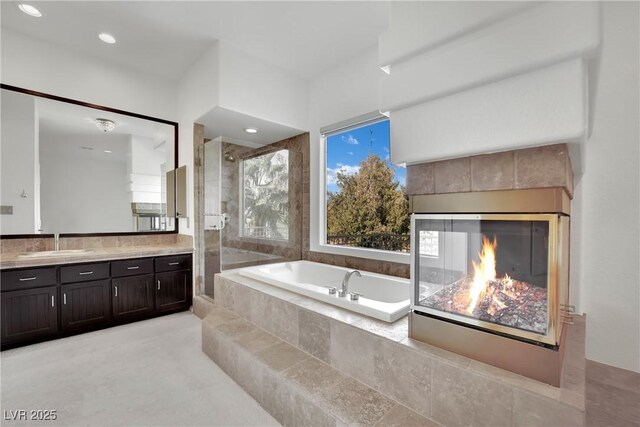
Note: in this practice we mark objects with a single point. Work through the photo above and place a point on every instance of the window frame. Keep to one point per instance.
(319, 243)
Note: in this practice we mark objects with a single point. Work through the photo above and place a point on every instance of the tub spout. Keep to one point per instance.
(345, 282)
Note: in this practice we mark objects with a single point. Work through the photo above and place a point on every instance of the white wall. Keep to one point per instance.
(226, 77)
(253, 87)
(341, 93)
(608, 199)
(198, 92)
(81, 194)
(514, 76)
(48, 68)
(19, 158)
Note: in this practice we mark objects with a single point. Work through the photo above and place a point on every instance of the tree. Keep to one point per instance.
(266, 194)
(368, 202)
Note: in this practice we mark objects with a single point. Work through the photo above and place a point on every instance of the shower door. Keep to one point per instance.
(213, 217)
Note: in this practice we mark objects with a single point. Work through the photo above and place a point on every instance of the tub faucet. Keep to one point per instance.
(345, 282)
(56, 241)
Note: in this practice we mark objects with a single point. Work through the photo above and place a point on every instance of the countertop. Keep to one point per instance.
(8, 261)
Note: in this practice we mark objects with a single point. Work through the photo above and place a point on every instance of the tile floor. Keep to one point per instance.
(143, 374)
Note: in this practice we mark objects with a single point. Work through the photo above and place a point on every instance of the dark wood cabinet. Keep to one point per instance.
(60, 300)
(173, 290)
(132, 296)
(29, 314)
(85, 304)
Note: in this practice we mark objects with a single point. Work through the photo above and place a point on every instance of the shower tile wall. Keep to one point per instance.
(260, 250)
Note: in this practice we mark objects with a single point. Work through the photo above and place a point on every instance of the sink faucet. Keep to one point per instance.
(56, 241)
(345, 282)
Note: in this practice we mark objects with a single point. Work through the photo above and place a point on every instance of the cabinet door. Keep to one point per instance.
(173, 290)
(132, 296)
(28, 314)
(84, 304)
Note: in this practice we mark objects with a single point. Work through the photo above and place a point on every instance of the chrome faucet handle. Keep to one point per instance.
(342, 293)
(354, 296)
(332, 290)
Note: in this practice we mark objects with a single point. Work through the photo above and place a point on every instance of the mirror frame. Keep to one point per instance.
(111, 110)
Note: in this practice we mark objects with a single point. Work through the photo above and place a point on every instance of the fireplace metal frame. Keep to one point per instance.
(556, 266)
(531, 356)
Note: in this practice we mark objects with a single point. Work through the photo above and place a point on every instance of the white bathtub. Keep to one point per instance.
(383, 297)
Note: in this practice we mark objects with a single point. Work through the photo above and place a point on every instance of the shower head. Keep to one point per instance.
(229, 157)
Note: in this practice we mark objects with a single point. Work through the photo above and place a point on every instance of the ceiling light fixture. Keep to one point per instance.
(108, 151)
(107, 38)
(251, 130)
(105, 124)
(30, 10)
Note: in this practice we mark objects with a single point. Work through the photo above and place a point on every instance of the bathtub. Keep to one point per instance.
(382, 297)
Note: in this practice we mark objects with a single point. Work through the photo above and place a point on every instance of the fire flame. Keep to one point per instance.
(484, 272)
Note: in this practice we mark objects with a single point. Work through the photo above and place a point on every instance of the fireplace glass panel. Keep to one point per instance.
(491, 270)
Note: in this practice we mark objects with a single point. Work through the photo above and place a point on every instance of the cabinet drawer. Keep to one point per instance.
(84, 272)
(171, 263)
(131, 267)
(27, 278)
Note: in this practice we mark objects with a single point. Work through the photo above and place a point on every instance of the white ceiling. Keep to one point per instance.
(165, 38)
(231, 126)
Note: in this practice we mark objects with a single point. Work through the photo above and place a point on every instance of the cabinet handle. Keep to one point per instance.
(26, 279)
(53, 301)
(84, 273)
(116, 289)
(64, 298)
(158, 284)
(174, 263)
(135, 267)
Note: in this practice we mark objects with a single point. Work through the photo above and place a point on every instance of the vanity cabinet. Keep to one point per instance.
(84, 304)
(173, 282)
(84, 295)
(56, 301)
(29, 304)
(132, 296)
(29, 314)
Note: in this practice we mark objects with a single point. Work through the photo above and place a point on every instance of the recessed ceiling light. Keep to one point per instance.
(30, 10)
(107, 38)
(251, 130)
(108, 151)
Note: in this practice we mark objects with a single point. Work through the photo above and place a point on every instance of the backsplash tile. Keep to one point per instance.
(39, 244)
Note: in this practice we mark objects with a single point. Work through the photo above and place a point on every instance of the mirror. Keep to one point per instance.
(69, 167)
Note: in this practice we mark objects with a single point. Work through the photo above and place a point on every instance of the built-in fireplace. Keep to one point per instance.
(490, 276)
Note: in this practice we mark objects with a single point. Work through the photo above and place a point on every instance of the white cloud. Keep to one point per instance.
(350, 153)
(349, 139)
(345, 169)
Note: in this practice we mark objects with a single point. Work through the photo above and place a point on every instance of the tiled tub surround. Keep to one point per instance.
(442, 386)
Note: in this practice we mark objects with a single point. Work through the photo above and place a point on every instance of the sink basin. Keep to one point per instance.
(53, 253)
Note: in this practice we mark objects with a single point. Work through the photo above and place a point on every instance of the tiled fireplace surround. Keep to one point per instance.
(307, 362)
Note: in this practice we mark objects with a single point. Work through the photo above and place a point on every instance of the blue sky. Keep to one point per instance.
(346, 150)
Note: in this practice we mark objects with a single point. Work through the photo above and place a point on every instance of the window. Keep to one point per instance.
(265, 197)
(429, 243)
(366, 205)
